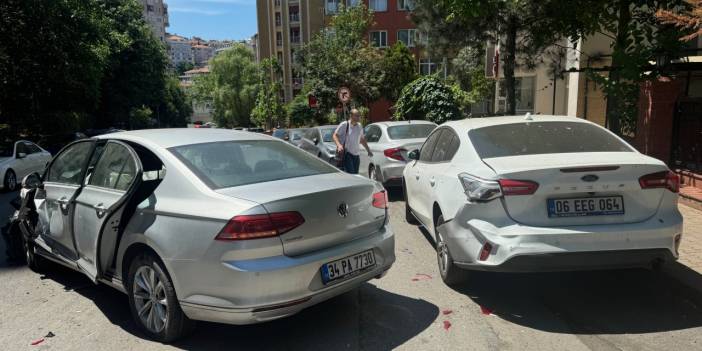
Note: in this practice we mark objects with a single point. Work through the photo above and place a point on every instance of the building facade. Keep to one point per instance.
(155, 13)
(202, 54)
(179, 50)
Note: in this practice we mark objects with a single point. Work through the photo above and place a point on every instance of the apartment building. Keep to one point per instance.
(179, 50)
(155, 13)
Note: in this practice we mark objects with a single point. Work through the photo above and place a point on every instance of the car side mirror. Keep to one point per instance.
(315, 141)
(21, 155)
(413, 155)
(31, 181)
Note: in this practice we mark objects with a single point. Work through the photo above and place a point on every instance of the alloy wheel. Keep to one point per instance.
(11, 181)
(150, 299)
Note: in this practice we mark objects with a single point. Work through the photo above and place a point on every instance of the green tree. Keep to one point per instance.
(427, 98)
(183, 67)
(340, 56)
(232, 86)
(269, 110)
(468, 72)
(176, 108)
(399, 68)
(300, 113)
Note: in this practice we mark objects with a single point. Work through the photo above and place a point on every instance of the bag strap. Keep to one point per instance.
(347, 134)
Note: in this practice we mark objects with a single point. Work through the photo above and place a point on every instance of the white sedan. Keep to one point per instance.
(521, 194)
(19, 159)
(391, 142)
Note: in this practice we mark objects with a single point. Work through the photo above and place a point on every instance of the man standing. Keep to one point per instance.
(348, 137)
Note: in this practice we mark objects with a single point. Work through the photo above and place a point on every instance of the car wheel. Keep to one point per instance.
(35, 262)
(10, 181)
(450, 273)
(153, 301)
(409, 217)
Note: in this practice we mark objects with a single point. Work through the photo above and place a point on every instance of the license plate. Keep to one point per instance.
(586, 206)
(347, 266)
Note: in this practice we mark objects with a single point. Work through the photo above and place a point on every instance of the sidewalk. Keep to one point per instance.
(688, 268)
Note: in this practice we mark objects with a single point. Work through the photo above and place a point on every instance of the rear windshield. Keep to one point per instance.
(327, 135)
(232, 163)
(543, 138)
(280, 133)
(410, 131)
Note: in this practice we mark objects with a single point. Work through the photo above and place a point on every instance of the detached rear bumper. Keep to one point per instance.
(520, 248)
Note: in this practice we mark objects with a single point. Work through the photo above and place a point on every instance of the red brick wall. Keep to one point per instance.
(654, 129)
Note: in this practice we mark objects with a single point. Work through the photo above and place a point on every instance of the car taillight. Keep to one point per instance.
(260, 226)
(380, 199)
(479, 189)
(517, 187)
(665, 179)
(395, 153)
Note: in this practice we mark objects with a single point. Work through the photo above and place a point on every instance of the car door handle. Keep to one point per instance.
(100, 209)
(432, 181)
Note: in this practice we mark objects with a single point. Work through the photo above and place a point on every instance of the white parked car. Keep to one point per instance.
(541, 193)
(391, 142)
(19, 159)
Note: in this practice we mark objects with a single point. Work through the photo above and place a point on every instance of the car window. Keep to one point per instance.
(327, 134)
(425, 153)
(410, 131)
(543, 138)
(280, 133)
(373, 134)
(21, 148)
(233, 163)
(67, 167)
(116, 168)
(443, 147)
(33, 149)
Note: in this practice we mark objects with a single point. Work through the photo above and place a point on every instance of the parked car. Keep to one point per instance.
(281, 134)
(295, 135)
(185, 223)
(318, 141)
(540, 193)
(18, 159)
(390, 143)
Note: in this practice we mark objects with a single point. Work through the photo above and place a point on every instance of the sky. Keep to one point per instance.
(212, 19)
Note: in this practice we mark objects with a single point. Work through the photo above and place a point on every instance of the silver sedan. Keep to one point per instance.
(207, 224)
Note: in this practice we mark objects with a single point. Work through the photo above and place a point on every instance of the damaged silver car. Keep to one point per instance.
(212, 225)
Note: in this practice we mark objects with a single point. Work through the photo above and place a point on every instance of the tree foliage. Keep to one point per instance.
(468, 72)
(689, 19)
(399, 68)
(427, 98)
(232, 86)
(340, 56)
(269, 110)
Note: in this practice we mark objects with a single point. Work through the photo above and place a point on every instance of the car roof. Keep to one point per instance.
(475, 123)
(327, 126)
(167, 138)
(402, 123)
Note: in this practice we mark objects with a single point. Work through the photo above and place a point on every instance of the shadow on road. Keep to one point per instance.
(367, 318)
(395, 193)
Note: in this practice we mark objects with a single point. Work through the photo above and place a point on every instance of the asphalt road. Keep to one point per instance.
(408, 309)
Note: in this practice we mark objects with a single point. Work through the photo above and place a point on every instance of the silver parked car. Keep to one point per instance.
(391, 142)
(208, 224)
(19, 159)
(318, 141)
(295, 135)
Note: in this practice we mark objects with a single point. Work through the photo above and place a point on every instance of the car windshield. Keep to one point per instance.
(233, 163)
(280, 133)
(543, 138)
(327, 134)
(6, 149)
(410, 131)
(295, 134)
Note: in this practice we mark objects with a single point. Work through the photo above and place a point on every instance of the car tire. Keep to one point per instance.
(10, 181)
(451, 274)
(409, 217)
(151, 291)
(35, 262)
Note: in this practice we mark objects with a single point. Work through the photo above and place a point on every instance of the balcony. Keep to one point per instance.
(279, 42)
(294, 17)
(295, 39)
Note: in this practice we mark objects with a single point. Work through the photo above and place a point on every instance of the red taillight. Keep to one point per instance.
(666, 179)
(395, 153)
(485, 252)
(380, 199)
(260, 226)
(517, 187)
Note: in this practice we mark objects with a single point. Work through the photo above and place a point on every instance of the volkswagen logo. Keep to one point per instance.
(589, 178)
(343, 210)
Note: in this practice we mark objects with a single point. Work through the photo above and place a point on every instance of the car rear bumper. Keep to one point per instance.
(520, 248)
(259, 290)
(392, 174)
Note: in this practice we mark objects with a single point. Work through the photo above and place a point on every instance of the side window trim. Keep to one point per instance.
(433, 134)
(46, 175)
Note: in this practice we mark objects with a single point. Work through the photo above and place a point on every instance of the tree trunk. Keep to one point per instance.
(614, 112)
(510, 58)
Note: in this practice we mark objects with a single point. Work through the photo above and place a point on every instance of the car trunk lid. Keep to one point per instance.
(579, 175)
(336, 208)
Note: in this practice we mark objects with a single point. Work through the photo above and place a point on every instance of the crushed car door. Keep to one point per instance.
(55, 201)
(100, 204)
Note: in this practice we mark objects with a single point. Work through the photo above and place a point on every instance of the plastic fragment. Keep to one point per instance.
(446, 312)
(37, 342)
(50, 335)
(486, 311)
(421, 276)
(447, 325)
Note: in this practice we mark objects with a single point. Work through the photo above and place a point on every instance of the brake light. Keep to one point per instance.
(665, 179)
(485, 252)
(395, 153)
(517, 187)
(380, 199)
(260, 226)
